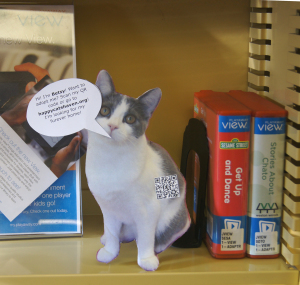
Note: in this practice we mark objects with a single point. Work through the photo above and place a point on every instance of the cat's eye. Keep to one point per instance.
(130, 119)
(105, 111)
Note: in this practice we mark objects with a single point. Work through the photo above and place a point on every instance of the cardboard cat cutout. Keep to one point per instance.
(137, 185)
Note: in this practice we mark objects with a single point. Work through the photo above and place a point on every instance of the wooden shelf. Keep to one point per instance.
(73, 261)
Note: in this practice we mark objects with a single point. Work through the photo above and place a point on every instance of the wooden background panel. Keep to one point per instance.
(181, 46)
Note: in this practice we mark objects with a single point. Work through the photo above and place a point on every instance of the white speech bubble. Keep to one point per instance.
(66, 107)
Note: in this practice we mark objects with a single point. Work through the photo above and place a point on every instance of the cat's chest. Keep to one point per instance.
(111, 167)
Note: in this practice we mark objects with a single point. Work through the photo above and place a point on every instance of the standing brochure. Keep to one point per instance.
(266, 174)
(40, 192)
(228, 133)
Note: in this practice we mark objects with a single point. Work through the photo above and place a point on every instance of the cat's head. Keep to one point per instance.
(122, 117)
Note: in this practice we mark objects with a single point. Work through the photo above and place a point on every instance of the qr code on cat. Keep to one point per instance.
(167, 187)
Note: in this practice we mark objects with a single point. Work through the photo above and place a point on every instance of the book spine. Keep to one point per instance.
(227, 208)
(228, 177)
(266, 186)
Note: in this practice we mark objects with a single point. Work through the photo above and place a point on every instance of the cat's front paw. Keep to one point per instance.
(105, 256)
(149, 264)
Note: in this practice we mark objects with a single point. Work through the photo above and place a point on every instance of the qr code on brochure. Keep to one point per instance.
(167, 187)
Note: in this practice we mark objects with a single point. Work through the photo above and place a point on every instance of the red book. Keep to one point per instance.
(228, 133)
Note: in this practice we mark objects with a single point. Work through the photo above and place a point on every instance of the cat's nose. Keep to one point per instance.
(112, 127)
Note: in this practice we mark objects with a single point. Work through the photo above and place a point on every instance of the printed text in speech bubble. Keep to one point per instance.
(65, 107)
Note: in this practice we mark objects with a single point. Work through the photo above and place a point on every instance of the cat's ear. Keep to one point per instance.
(105, 83)
(150, 99)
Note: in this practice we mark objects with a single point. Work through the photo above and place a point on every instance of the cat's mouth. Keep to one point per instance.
(114, 133)
(113, 130)
(112, 127)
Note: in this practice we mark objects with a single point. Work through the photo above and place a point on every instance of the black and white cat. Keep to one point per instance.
(121, 172)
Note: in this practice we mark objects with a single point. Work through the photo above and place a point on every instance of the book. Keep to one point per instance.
(228, 131)
(37, 198)
(266, 174)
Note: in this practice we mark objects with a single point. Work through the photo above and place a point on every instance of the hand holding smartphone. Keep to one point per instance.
(14, 102)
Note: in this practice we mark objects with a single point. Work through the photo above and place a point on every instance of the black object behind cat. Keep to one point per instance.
(195, 140)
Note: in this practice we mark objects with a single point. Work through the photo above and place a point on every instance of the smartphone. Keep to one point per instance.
(12, 88)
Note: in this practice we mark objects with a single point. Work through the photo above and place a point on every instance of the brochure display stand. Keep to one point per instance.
(37, 47)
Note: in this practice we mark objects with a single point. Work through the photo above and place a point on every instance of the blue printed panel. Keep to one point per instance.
(56, 208)
(256, 225)
(269, 126)
(234, 124)
(231, 223)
